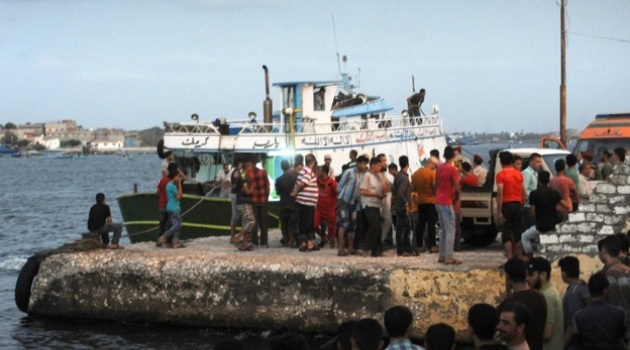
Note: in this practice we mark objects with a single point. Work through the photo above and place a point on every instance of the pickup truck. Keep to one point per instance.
(479, 225)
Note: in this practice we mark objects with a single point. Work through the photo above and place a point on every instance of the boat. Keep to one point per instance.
(347, 121)
(8, 151)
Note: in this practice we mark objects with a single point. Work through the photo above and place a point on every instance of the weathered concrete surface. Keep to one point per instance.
(208, 283)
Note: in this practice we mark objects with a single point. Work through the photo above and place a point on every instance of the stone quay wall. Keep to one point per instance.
(607, 212)
(265, 289)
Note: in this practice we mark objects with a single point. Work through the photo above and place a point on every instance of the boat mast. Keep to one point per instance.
(563, 76)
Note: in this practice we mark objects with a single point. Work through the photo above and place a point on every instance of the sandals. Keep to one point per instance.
(343, 253)
(246, 249)
(452, 261)
(177, 245)
(114, 247)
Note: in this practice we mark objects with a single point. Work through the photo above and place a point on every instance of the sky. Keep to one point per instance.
(491, 65)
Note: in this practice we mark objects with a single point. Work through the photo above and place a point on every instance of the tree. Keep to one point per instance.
(23, 143)
(10, 125)
(70, 143)
(10, 138)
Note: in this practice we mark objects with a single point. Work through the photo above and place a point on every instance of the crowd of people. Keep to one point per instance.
(590, 315)
(530, 202)
(369, 207)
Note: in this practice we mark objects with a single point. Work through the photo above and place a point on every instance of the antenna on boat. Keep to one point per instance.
(336, 46)
(413, 83)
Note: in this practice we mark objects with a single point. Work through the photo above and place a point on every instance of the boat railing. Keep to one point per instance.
(308, 126)
(191, 128)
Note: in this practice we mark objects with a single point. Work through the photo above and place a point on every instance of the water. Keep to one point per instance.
(44, 204)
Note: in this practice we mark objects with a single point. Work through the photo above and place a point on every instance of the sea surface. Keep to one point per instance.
(44, 203)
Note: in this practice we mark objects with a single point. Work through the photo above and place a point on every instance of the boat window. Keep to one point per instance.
(288, 97)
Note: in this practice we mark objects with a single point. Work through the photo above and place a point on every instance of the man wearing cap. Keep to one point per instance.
(328, 161)
(479, 170)
(539, 277)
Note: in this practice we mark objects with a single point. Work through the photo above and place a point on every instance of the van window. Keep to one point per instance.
(550, 160)
(597, 147)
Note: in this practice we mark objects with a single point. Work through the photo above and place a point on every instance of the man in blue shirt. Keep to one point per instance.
(174, 193)
(347, 200)
(398, 321)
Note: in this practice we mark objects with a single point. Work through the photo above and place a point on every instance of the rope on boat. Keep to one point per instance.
(183, 214)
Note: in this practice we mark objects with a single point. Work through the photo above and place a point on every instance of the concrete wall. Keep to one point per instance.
(606, 213)
(234, 290)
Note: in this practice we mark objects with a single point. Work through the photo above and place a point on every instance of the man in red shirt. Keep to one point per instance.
(447, 191)
(469, 179)
(259, 183)
(567, 189)
(510, 199)
(326, 208)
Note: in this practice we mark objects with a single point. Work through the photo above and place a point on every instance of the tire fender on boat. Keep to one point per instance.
(25, 281)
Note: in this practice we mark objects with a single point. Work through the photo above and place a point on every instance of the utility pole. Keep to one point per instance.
(563, 76)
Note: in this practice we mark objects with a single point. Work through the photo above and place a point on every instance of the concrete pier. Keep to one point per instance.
(208, 283)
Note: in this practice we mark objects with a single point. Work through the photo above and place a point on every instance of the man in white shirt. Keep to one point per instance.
(584, 187)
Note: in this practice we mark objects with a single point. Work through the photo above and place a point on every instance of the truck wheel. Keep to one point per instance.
(481, 237)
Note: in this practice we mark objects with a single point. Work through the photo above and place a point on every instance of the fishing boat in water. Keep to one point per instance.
(333, 123)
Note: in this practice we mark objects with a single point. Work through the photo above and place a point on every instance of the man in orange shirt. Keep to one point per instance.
(422, 183)
(510, 199)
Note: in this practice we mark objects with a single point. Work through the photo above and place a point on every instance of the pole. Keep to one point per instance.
(563, 76)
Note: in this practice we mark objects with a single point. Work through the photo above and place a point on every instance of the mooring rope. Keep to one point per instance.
(183, 214)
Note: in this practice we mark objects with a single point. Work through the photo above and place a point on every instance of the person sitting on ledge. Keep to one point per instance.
(100, 221)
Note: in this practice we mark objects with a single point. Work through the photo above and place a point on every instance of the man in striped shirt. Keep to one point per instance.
(306, 194)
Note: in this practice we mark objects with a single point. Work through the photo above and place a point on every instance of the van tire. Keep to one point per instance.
(25, 282)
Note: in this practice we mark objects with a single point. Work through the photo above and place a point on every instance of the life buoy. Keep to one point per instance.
(25, 281)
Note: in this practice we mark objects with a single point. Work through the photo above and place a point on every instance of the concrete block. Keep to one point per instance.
(617, 179)
(577, 217)
(590, 249)
(622, 210)
(586, 238)
(617, 199)
(567, 228)
(598, 198)
(570, 248)
(606, 230)
(612, 219)
(587, 227)
(553, 248)
(548, 239)
(625, 189)
(602, 208)
(605, 188)
(567, 238)
(594, 217)
(587, 207)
